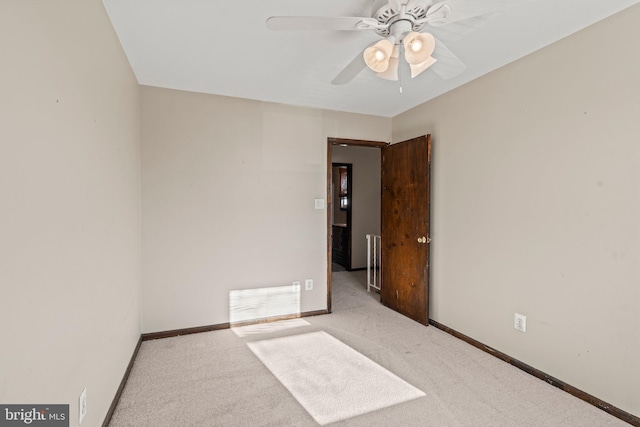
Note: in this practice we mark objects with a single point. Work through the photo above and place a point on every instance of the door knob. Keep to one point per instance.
(423, 239)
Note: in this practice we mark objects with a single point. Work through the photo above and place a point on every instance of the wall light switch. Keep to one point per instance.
(319, 203)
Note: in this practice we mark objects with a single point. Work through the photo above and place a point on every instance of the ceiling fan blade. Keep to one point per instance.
(459, 11)
(305, 23)
(437, 14)
(466, 9)
(457, 30)
(352, 69)
(448, 65)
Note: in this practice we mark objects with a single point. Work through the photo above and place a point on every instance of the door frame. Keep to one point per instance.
(330, 143)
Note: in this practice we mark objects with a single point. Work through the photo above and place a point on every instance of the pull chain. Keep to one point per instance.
(399, 71)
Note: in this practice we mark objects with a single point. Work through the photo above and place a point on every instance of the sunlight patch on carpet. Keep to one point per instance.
(270, 327)
(329, 379)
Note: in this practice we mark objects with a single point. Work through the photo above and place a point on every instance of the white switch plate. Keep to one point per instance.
(82, 405)
(308, 284)
(319, 203)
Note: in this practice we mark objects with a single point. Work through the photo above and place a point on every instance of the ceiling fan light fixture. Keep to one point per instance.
(391, 73)
(419, 68)
(377, 56)
(418, 47)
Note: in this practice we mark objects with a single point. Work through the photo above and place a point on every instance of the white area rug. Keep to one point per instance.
(331, 380)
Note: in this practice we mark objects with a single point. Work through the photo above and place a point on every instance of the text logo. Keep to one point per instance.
(34, 415)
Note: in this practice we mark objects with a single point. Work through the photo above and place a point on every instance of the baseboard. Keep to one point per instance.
(598, 403)
(209, 328)
(186, 331)
(116, 398)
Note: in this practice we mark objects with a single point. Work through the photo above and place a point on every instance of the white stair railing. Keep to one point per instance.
(374, 278)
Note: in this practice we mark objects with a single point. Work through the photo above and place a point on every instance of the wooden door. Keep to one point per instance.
(406, 168)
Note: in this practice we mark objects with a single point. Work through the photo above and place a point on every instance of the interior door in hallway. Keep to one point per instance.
(406, 168)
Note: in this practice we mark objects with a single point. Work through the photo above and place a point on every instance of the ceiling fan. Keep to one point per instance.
(400, 23)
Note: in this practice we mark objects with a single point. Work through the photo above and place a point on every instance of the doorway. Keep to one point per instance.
(405, 212)
(350, 234)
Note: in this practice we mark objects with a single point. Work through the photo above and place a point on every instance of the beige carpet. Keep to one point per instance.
(331, 381)
(214, 379)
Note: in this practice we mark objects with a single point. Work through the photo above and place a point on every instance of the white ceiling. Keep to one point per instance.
(223, 47)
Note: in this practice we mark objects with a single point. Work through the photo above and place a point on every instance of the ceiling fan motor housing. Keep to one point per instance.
(389, 15)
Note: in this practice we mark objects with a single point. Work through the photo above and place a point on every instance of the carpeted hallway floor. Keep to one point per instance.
(214, 378)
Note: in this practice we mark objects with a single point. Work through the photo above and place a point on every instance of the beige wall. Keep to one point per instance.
(536, 203)
(366, 197)
(228, 189)
(69, 206)
(536, 208)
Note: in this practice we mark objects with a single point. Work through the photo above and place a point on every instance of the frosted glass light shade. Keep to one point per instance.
(419, 68)
(418, 47)
(377, 56)
(391, 73)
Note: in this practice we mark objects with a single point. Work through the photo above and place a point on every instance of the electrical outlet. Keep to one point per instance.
(520, 322)
(82, 405)
(296, 285)
(308, 284)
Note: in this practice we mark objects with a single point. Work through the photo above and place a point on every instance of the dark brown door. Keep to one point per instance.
(406, 168)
